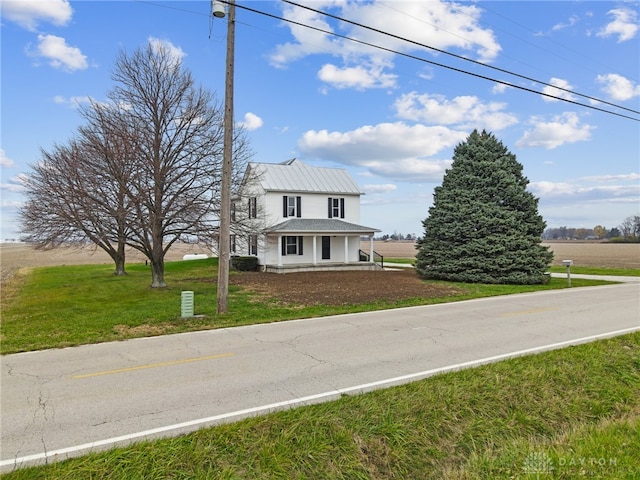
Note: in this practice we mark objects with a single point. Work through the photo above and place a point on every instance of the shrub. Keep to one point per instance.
(245, 264)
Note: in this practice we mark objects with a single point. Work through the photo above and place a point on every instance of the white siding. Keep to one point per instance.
(313, 205)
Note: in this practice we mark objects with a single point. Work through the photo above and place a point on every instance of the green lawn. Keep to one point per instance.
(565, 414)
(72, 305)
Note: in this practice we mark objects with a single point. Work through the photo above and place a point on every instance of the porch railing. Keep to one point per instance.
(377, 258)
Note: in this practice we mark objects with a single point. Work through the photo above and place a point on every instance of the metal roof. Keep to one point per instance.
(296, 176)
(319, 225)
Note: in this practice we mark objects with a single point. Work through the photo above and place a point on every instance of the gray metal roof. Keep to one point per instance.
(319, 225)
(296, 176)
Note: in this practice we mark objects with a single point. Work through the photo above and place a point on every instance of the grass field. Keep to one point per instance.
(62, 306)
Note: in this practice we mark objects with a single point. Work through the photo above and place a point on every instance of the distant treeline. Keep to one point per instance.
(627, 231)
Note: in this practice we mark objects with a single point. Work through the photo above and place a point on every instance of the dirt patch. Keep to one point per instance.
(141, 330)
(340, 287)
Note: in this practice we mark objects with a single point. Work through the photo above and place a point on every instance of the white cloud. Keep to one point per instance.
(380, 188)
(358, 77)
(28, 13)
(628, 177)
(499, 88)
(252, 121)
(391, 150)
(175, 52)
(72, 102)
(59, 54)
(563, 192)
(439, 24)
(442, 25)
(558, 82)
(467, 112)
(618, 87)
(573, 19)
(624, 24)
(416, 170)
(563, 129)
(15, 184)
(4, 160)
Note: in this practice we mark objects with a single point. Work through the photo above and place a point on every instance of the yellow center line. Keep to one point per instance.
(153, 365)
(527, 312)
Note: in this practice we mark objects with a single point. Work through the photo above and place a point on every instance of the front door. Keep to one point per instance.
(326, 247)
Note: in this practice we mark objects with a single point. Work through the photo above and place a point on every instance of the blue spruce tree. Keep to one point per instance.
(484, 225)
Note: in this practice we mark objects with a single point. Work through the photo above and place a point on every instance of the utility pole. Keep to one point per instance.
(224, 242)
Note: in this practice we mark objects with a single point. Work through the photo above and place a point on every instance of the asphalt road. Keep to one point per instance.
(60, 403)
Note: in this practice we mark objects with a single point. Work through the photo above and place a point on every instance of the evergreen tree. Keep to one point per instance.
(484, 225)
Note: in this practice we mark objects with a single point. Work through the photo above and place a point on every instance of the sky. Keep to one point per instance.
(391, 116)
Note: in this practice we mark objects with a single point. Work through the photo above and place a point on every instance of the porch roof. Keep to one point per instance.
(319, 226)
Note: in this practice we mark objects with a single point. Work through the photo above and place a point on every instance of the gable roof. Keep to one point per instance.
(320, 225)
(296, 176)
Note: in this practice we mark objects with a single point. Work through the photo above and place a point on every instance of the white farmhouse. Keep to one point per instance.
(295, 217)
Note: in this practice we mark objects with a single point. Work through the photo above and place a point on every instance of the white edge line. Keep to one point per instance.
(310, 398)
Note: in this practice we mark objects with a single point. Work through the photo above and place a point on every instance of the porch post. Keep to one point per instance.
(346, 249)
(279, 250)
(315, 256)
(371, 259)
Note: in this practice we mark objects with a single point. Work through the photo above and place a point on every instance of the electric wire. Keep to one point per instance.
(459, 57)
(448, 67)
(431, 62)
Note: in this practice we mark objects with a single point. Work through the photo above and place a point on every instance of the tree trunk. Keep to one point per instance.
(157, 273)
(120, 270)
(119, 259)
(157, 262)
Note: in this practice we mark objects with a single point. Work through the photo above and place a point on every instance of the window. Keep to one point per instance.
(253, 244)
(232, 246)
(292, 245)
(336, 207)
(253, 207)
(291, 206)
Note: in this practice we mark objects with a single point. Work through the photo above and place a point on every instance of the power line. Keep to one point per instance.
(431, 62)
(459, 57)
(448, 67)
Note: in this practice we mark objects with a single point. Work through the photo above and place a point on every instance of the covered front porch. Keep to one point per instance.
(316, 245)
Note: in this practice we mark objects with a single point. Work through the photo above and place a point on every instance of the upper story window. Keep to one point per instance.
(336, 207)
(253, 207)
(291, 206)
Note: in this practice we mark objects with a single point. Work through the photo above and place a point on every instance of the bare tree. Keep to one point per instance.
(144, 171)
(179, 131)
(71, 201)
(630, 227)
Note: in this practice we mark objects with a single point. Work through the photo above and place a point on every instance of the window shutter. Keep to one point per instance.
(330, 207)
(298, 207)
(300, 245)
(285, 206)
(342, 208)
(253, 207)
(283, 241)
